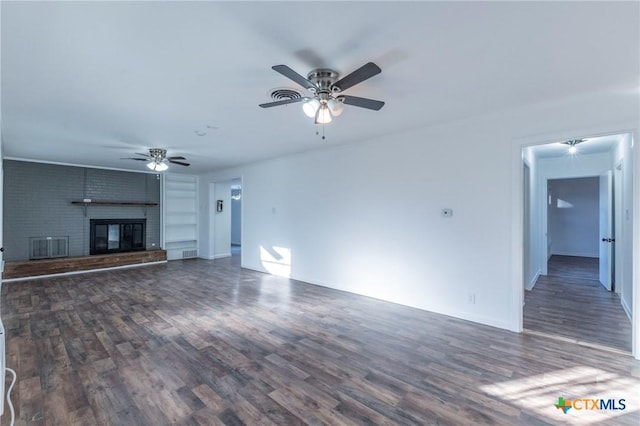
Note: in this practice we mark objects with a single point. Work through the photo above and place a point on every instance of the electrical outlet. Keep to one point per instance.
(472, 298)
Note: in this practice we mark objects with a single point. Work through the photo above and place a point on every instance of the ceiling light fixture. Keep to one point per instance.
(311, 107)
(236, 193)
(325, 99)
(572, 145)
(157, 166)
(335, 106)
(157, 159)
(323, 116)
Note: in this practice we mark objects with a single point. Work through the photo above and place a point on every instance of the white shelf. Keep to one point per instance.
(189, 244)
(180, 216)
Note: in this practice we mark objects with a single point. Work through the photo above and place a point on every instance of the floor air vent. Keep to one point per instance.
(48, 247)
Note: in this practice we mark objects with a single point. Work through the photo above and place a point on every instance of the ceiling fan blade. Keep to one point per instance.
(292, 75)
(366, 71)
(178, 162)
(284, 102)
(361, 102)
(176, 158)
(133, 158)
(144, 155)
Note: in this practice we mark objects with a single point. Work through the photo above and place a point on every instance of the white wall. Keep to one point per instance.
(222, 220)
(534, 233)
(624, 227)
(574, 216)
(366, 217)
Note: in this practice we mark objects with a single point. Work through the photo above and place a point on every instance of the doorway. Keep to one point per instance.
(225, 221)
(574, 217)
(569, 215)
(236, 218)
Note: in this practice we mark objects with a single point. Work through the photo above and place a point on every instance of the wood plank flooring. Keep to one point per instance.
(199, 342)
(571, 303)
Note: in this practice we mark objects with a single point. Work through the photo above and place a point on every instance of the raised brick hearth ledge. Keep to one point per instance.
(34, 268)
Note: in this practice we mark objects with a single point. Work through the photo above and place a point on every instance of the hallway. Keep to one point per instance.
(571, 304)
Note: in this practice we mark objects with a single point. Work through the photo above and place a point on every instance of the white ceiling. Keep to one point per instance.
(90, 82)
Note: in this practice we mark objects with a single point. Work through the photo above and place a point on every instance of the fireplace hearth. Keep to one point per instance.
(117, 235)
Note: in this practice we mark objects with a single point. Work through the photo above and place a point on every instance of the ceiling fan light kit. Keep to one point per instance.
(323, 116)
(326, 100)
(157, 159)
(156, 166)
(311, 107)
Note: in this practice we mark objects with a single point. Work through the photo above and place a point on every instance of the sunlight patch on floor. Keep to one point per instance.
(539, 394)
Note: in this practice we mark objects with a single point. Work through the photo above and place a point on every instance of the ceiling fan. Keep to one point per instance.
(326, 99)
(157, 159)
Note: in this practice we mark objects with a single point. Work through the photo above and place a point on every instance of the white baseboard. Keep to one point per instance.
(221, 255)
(534, 280)
(575, 254)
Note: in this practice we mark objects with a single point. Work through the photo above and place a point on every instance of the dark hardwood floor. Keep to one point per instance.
(200, 342)
(571, 303)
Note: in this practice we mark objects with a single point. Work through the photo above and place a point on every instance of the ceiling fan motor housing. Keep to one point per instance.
(323, 78)
(158, 154)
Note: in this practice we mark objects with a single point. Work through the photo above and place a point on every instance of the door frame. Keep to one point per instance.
(620, 239)
(213, 194)
(517, 220)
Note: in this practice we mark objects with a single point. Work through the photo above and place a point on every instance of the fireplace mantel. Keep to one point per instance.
(87, 203)
(113, 203)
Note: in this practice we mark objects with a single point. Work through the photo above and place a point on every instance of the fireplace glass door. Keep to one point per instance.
(117, 235)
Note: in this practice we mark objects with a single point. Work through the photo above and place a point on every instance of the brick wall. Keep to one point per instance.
(37, 203)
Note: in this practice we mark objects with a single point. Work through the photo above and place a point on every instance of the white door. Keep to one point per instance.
(606, 229)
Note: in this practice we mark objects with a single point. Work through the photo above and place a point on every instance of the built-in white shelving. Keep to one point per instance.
(180, 216)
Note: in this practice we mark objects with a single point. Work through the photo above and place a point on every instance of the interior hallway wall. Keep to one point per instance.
(533, 233)
(236, 215)
(574, 216)
(222, 220)
(624, 241)
(366, 217)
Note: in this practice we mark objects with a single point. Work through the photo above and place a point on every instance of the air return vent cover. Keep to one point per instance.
(48, 247)
(284, 94)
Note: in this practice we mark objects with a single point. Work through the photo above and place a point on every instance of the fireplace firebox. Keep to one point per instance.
(117, 235)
